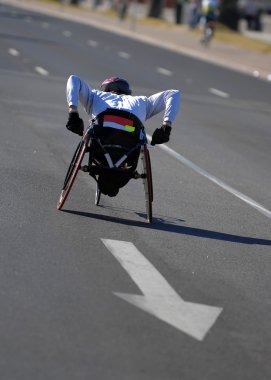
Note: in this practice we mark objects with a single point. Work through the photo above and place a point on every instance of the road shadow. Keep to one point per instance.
(170, 225)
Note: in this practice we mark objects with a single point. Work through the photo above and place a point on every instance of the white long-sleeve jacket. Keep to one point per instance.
(96, 101)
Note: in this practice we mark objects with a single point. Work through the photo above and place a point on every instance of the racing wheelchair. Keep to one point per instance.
(116, 144)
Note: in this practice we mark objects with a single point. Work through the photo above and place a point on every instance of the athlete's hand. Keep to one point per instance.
(161, 135)
(75, 124)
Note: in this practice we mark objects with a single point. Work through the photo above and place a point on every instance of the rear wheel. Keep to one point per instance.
(147, 181)
(97, 195)
(74, 167)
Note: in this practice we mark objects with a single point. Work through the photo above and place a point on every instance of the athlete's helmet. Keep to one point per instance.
(117, 85)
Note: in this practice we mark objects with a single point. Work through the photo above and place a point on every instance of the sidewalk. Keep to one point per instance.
(174, 37)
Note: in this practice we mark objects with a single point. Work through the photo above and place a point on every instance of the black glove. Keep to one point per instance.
(75, 124)
(161, 135)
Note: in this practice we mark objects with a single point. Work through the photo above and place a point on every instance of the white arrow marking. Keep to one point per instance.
(159, 298)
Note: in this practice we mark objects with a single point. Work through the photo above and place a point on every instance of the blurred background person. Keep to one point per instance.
(252, 15)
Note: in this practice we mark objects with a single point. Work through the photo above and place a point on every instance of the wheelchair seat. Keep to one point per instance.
(116, 139)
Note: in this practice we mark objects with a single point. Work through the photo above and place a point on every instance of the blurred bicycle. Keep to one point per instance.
(208, 32)
(208, 18)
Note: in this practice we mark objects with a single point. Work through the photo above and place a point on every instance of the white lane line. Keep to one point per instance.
(13, 52)
(222, 94)
(215, 180)
(124, 55)
(159, 298)
(41, 71)
(45, 25)
(92, 43)
(164, 71)
(66, 33)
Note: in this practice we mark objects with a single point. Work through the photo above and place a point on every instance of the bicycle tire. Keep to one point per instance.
(72, 172)
(208, 35)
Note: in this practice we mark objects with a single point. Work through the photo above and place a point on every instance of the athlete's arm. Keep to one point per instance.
(167, 101)
(78, 91)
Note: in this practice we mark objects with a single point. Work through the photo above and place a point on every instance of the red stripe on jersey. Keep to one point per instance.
(119, 120)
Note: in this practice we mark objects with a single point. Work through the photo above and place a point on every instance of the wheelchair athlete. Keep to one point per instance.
(115, 93)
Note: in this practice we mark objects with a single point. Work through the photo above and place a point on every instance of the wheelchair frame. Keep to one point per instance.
(84, 147)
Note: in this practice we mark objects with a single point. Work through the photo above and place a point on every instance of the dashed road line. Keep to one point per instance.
(220, 93)
(41, 71)
(45, 25)
(219, 61)
(164, 71)
(13, 52)
(124, 55)
(67, 33)
(92, 43)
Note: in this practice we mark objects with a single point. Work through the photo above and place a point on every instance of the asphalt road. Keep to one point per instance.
(63, 274)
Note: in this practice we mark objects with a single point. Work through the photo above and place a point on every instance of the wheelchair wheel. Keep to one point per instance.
(147, 181)
(97, 195)
(74, 167)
